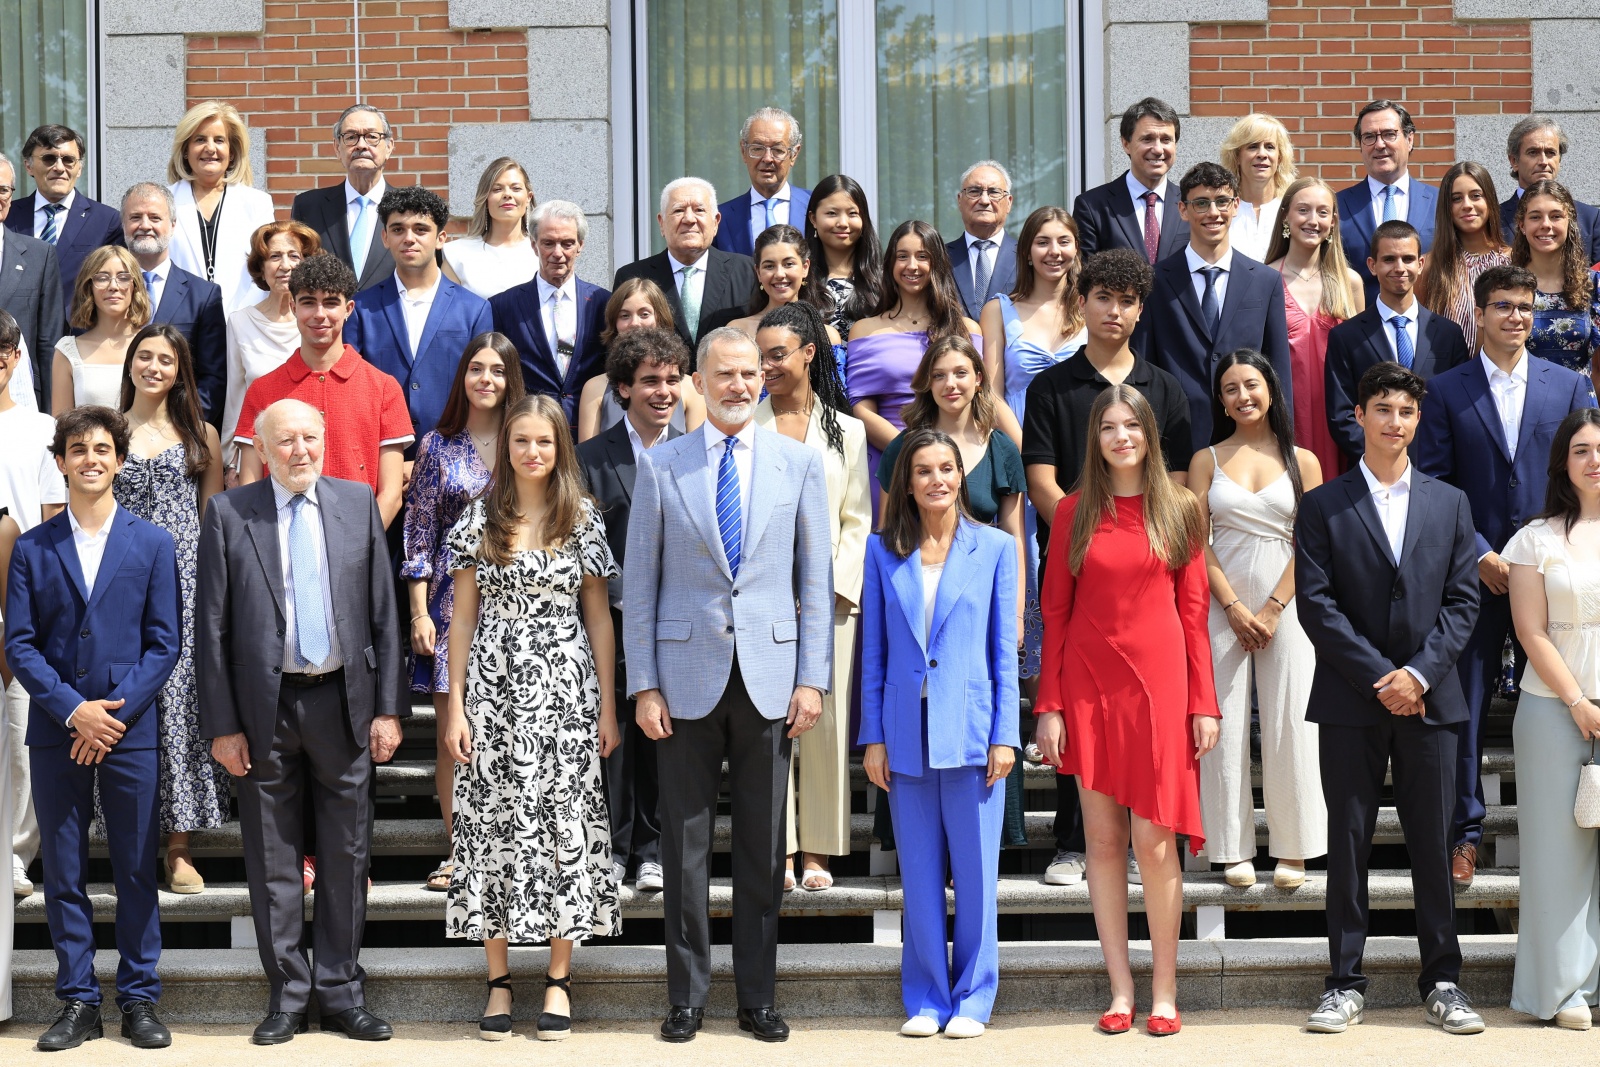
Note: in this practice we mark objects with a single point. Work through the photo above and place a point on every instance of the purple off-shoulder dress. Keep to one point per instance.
(448, 474)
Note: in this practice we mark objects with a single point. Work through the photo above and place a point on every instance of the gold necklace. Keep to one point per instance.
(806, 410)
(483, 446)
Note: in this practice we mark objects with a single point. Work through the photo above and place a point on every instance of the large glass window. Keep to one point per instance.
(44, 71)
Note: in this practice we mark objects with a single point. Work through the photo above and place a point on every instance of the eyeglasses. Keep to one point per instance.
(106, 281)
(1372, 137)
(1204, 204)
(766, 151)
(1506, 307)
(979, 192)
(355, 137)
(779, 355)
(51, 159)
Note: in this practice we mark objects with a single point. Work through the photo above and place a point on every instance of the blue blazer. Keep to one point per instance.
(85, 228)
(1368, 613)
(733, 232)
(377, 329)
(1005, 271)
(1356, 225)
(970, 663)
(1107, 217)
(1172, 334)
(517, 315)
(1461, 441)
(1588, 225)
(1356, 344)
(120, 642)
(193, 306)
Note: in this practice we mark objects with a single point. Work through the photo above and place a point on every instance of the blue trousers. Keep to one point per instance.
(1479, 670)
(949, 817)
(63, 797)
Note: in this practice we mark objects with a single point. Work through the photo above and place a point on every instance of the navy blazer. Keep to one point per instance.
(324, 210)
(118, 642)
(85, 228)
(969, 662)
(1005, 271)
(517, 315)
(193, 306)
(1107, 217)
(1461, 441)
(377, 329)
(733, 232)
(1356, 344)
(1356, 225)
(1588, 225)
(1172, 334)
(1367, 613)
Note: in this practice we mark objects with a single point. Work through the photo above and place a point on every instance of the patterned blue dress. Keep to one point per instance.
(448, 474)
(1566, 335)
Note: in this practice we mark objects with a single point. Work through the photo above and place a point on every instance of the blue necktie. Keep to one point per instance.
(1389, 207)
(361, 235)
(728, 518)
(50, 235)
(1402, 342)
(1210, 307)
(150, 284)
(985, 272)
(310, 621)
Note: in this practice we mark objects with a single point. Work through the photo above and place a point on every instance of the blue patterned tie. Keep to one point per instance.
(1402, 342)
(728, 518)
(310, 621)
(1210, 306)
(50, 234)
(1389, 206)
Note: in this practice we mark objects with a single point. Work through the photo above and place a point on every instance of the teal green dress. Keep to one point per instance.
(998, 475)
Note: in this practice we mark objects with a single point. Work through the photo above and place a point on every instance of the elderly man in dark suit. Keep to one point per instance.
(55, 212)
(769, 144)
(345, 216)
(1535, 148)
(1386, 135)
(1138, 209)
(30, 289)
(984, 257)
(300, 691)
(698, 279)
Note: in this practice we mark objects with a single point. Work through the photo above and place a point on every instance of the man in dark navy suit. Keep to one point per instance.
(1209, 300)
(345, 216)
(1386, 581)
(1138, 209)
(1535, 147)
(769, 145)
(1386, 135)
(984, 257)
(1487, 429)
(1394, 328)
(55, 212)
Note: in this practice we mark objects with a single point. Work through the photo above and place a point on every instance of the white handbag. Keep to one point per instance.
(1586, 808)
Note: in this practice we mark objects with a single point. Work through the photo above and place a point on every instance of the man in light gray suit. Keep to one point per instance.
(300, 689)
(728, 634)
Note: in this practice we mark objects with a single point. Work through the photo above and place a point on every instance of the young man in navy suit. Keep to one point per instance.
(1487, 429)
(769, 145)
(1395, 327)
(1209, 300)
(1386, 135)
(92, 630)
(55, 212)
(1535, 148)
(1137, 209)
(1386, 582)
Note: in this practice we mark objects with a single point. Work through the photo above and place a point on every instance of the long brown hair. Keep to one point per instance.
(945, 309)
(924, 409)
(901, 529)
(183, 399)
(1071, 302)
(457, 407)
(563, 494)
(1575, 284)
(1560, 498)
(1171, 516)
(1445, 275)
(626, 291)
(1331, 262)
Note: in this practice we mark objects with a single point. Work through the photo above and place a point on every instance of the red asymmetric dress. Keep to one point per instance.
(1127, 661)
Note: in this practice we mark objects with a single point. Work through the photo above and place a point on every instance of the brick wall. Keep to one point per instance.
(293, 80)
(1315, 62)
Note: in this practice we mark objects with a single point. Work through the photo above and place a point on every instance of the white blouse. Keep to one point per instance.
(256, 346)
(490, 269)
(1251, 231)
(1572, 597)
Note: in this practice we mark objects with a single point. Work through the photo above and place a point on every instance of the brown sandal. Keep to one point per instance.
(439, 880)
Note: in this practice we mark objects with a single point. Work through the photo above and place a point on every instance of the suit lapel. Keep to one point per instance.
(1361, 497)
(337, 533)
(1423, 358)
(954, 579)
(438, 312)
(1477, 384)
(619, 453)
(1172, 225)
(262, 522)
(1241, 276)
(12, 270)
(694, 483)
(1416, 514)
(173, 294)
(1533, 400)
(61, 534)
(118, 539)
(906, 577)
(71, 222)
(961, 267)
(533, 315)
(1360, 212)
(1378, 339)
(334, 226)
(396, 318)
(766, 475)
(1128, 213)
(1178, 277)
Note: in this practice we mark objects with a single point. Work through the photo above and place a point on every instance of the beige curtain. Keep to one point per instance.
(44, 72)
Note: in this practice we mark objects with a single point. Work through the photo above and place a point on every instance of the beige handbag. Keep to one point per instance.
(1586, 808)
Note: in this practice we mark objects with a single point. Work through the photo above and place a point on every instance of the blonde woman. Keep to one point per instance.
(1258, 151)
(216, 206)
(497, 251)
(110, 305)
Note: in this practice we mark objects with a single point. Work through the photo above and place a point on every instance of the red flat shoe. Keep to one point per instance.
(1115, 1022)
(1161, 1026)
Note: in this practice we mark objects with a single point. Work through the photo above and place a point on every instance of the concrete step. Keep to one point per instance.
(814, 981)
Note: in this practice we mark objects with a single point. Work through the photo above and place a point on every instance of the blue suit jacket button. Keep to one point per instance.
(277, 670)
(730, 630)
(84, 634)
(82, 672)
(933, 663)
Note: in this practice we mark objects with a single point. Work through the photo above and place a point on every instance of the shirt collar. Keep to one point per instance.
(281, 496)
(570, 287)
(715, 437)
(420, 296)
(1385, 312)
(971, 240)
(677, 265)
(783, 194)
(1401, 184)
(346, 365)
(1519, 371)
(1195, 262)
(638, 442)
(72, 520)
(1401, 484)
(1078, 362)
(374, 194)
(65, 202)
(160, 270)
(1137, 188)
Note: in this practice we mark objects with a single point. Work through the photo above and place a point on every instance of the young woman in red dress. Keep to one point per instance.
(1126, 696)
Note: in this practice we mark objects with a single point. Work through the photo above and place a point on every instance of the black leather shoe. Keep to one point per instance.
(765, 1023)
(140, 1025)
(681, 1024)
(358, 1023)
(77, 1021)
(279, 1027)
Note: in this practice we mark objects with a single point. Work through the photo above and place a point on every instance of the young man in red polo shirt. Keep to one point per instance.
(368, 425)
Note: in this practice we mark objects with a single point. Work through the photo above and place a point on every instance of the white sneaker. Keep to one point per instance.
(919, 1026)
(1133, 870)
(1337, 1011)
(619, 873)
(961, 1026)
(1448, 1007)
(650, 878)
(1066, 869)
(21, 884)
(1241, 874)
(1031, 753)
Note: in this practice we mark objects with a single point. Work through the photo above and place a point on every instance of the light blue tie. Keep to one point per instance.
(150, 284)
(361, 234)
(1402, 342)
(1389, 206)
(310, 622)
(50, 235)
(728, 518)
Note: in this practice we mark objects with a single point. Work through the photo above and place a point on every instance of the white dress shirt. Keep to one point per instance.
(311, 514)
(1137, 189)
(91, 547)
(1402, 197)
(1509, 390)
(697, 283)
(41, 216)
(559, 316)
(414, 307)
(743, 450)
(637, 444)
(1387, 314)
(1250, 231)
(1199, 280)
(1394, 505)
(353, 209)
(758, 210)
(158, 284)
(990, 255)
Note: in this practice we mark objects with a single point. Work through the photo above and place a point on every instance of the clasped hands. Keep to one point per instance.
(805, 708)
(95, 731)
(1401, 693)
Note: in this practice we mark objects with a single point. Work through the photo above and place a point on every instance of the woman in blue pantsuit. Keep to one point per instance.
(939, 719)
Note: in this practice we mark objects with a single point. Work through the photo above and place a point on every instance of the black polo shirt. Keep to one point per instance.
(1055, 427)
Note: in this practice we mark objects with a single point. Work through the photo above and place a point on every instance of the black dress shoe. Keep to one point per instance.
(358, 1023)
(77, 1021)
(765, 1023)
(140, 1025)
(279, 1027)
(681, 1024)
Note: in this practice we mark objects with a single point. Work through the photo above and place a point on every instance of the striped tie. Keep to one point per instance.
(728, 520)
(50, 235)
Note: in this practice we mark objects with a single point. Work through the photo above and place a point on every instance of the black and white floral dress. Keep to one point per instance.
(532, 844)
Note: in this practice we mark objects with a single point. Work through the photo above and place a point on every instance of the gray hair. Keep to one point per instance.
(266, 415)
(338, 126)
(771, 114)
(684, 183)
(1005, 175)
(561, 209)
(1533, 124)
(731, 334)
(9, 166)
(150, 189)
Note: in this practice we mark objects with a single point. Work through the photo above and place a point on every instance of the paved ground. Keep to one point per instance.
(1389, 1037)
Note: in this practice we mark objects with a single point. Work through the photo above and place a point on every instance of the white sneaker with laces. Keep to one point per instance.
(1133, 870)
(21, 884)
(1448, 1007)
(650, 879)
(1066, 869)
(1337, 1011)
